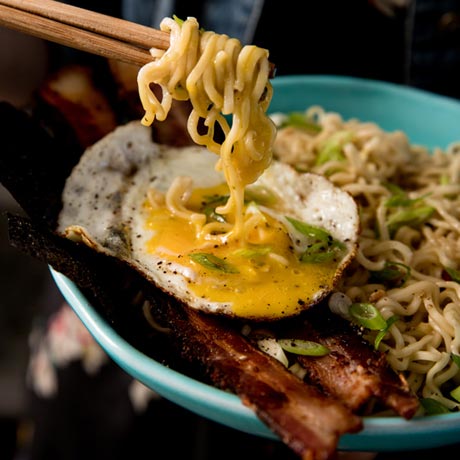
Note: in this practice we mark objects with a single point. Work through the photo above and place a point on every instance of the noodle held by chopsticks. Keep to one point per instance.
(221, 78)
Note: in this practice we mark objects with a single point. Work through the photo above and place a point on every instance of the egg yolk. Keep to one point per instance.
(259, 275)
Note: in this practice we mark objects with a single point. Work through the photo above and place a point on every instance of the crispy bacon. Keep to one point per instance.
(353, 371)
(304, 418)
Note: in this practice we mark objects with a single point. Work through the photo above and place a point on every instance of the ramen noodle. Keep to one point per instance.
(408, 262)
(222, 79)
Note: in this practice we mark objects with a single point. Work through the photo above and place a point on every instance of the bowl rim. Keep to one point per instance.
(363, 83)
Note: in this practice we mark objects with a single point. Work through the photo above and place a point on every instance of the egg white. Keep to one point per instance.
(103, 204)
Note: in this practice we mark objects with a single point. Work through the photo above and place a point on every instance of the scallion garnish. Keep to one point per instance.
(455, 393)
(273, 348)
(399, 198)
(400, 201)
(454, 274)
(368, 316)
(413, 214)
(455, 359)
(181, 22)
(260, 194)
(213, 262)
(322, 246)
(412, 217)
(444, 180)
(309, 230)
(303, 347)
(383, 332)
(320, 253)
(331, 149)
(432, 406)
(394, 189)
(178, 20)
(300, 120)
(210, 205)
(393, 273)
(253, 251)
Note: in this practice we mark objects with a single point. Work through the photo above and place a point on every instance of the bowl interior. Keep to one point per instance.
(427, 119)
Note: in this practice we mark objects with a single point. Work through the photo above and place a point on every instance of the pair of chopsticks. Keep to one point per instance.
(82, 29)
(85, 30)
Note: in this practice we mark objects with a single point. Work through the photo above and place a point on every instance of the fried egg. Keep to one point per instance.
(148, 205)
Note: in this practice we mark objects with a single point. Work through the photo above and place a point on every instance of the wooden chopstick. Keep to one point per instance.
(82, 29)
(86, 30)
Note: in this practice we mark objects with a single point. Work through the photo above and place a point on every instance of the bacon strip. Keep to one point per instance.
(353, 372)
(304, 418)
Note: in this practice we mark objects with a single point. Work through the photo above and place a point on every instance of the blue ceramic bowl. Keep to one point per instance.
(428, 119)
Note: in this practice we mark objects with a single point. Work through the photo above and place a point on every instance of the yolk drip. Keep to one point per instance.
(260, 276)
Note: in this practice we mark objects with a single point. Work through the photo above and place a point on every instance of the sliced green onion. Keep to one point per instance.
(403, 201)
(367, 315)
(260, 194)
(390, 321)
(178, 20)
(331, 149)
(301, 121)
(318, 253)
(455, 359)
(392, 273)
(323, 247)
(399, 196)
(454, 274)
(444, 179)
(395, 189)
(181, 22)
(210, 205)
(310, 230)
(273, 348)
(455, 393)
(212, 262)
(414, 214)
(410, 217)
(433, 407)
(303, 347)
(255, 251)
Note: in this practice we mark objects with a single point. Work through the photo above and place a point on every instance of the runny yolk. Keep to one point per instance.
(260, 276)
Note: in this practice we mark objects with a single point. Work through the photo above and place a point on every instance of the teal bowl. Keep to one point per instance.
(428, 119)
